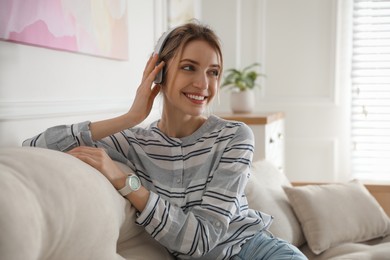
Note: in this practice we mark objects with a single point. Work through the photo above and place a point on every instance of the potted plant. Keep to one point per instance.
(241, 83)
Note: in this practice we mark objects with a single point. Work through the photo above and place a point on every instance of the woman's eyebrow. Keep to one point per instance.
(197, 63)
(189, 60)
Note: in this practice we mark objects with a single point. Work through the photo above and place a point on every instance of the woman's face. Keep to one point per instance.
(192, 79)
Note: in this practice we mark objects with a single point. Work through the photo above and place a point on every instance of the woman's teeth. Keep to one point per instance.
(195, 97)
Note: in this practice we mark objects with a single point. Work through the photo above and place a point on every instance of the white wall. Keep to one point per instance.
(295, 40)
(47, 87)
(298, 44)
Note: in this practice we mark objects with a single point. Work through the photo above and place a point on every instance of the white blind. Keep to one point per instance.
(371, 90)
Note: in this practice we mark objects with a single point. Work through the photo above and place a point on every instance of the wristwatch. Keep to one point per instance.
(133, 183)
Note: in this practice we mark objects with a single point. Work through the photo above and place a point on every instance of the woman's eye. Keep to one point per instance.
(188, 67)
(214, 73)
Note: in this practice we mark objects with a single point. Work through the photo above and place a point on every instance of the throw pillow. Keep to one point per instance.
(331, 214)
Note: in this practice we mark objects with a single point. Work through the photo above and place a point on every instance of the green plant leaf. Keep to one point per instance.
(242, 79)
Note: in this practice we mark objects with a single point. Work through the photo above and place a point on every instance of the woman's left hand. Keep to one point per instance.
(98, 159)
(146, 94)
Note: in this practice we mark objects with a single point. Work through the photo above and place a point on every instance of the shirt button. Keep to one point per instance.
(178, 180)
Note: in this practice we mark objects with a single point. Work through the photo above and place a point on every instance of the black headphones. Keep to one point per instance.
(159, 46)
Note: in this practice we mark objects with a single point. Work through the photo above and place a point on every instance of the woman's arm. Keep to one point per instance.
(66, 137)
(140, 109)
(74, 139)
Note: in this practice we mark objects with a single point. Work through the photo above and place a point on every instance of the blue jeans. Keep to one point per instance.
(265, 246)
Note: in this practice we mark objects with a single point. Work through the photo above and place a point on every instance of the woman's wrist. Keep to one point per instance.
(119, 182)
(139, 198)
(131, 119)
(104, 128)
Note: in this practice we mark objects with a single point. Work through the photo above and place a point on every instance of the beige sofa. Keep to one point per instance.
(53, 206)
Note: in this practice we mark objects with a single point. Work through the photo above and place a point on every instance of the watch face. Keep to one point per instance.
(134, 183)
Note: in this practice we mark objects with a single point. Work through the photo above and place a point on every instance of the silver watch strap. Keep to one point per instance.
(125, 190)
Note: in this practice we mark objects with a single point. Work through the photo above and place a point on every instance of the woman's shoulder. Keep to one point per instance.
(230, 123)
(142, 130)
(236, 127)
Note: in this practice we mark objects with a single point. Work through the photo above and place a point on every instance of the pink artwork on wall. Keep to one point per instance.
(97, 27)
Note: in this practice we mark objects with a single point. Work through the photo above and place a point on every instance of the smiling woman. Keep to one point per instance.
(190, 170)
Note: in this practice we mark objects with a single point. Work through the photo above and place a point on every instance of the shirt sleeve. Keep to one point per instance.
(66, 137)
(62, 138)
(196, 231)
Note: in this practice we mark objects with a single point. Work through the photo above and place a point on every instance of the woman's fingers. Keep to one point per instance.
(151, 70)
(98, 159)
(150, 65)
(155, 91)
(151, 62)
(90, 155)
(87, 159)
(146, 92)
(86, 150)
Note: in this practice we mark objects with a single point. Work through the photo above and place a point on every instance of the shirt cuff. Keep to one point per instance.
(146, 216)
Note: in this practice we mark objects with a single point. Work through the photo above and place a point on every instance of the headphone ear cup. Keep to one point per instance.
(159, 46)
(159, 77)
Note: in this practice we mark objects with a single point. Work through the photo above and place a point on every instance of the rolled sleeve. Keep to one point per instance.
(63, 137)
(146, 216)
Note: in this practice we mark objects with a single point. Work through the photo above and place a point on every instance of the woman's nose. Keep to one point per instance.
(201, 81)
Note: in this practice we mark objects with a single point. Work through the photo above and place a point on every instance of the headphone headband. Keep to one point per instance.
(162, 40)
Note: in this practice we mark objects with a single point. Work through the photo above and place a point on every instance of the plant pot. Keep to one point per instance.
(242, 101)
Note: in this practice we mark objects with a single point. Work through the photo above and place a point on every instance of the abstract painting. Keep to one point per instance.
(98, 27)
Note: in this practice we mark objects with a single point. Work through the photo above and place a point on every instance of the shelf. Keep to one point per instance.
(253, 118)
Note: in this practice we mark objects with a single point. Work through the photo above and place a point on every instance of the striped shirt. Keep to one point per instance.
(197, 206)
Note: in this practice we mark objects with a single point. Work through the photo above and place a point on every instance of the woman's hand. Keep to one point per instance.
(146, 94)
(98, 159)
(139, 111)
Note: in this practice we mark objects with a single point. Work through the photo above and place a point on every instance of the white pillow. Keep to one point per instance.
(264, 192)
(331, 214)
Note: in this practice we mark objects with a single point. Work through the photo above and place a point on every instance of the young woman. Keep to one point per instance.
(192, 169)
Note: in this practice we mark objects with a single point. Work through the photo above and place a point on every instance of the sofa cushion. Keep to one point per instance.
(265, 193)
(54, 206)
(374, 249)
(331, 214)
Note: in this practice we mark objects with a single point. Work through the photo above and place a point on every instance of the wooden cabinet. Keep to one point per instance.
(268, 129)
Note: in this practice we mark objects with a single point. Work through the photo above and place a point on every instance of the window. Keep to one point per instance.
(371, 90)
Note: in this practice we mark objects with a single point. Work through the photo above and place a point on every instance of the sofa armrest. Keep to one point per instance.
(381, 193)
(53, 206)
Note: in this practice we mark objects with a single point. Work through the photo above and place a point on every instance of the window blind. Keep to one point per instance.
(370, 77)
